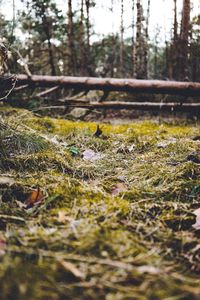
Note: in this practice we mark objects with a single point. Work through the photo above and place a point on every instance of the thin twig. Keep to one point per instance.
(21, 87)
(47, 92)
(14, 80)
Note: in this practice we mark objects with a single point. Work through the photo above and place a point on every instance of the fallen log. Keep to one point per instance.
(112, 84)
(151, 106)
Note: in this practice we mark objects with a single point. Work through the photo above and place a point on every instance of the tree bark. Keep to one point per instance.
(71, 48)
(88, 57)
(87, 3)
(121, 63)
(111, 84)
(48, 35)
(146, 48)
(82, 42)
(133, 38)
(184, 40)
(140, 44)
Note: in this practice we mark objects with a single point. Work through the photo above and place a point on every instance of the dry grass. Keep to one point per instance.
(124, 220)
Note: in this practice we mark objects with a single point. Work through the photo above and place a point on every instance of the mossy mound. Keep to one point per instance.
(113, 212)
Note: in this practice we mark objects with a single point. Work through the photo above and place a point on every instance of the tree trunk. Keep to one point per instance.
(121, 63)
(133, 38)
(184, 41)
(140, 44)
(175, 21)
(113, 41)
(50, 48)
(51, 57)
(82, 43)
(111, 84)
(147, 39)
(87, 3)
(71, 47)
(156, 56)
(88, 58)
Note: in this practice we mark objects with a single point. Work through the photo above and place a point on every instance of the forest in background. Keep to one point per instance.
(53, 43)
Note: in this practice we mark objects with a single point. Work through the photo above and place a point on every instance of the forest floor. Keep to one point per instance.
(106, 212)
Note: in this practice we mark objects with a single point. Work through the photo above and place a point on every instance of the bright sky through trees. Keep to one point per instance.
(161, 16)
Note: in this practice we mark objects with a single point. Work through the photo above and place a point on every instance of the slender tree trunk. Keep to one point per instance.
(113, 42)
(147, 39)
(88, 58)
(138, 38)
(87, 3)
(121, 66)
(156, 56)
(174, 49)
(82, 44)
(133, 38)
(169, 64)
(140, 44)
(175, 21)
(71, 47)
(51, 57)
(50, 48)
(184, 40)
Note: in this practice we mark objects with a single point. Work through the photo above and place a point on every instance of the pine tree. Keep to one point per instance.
(44, 23)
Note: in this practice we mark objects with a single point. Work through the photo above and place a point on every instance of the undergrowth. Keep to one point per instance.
(122, 217)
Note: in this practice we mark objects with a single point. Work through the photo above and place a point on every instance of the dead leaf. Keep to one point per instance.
(197, 224)
(149, 269)
(62, 217)
(119, 188)
(90, 155)
(6, 181)
(69, 267)
(35, 197)
(2, 246)
(165, 144)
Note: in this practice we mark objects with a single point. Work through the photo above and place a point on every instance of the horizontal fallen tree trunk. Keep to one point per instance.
(111, 84)
(165, 107)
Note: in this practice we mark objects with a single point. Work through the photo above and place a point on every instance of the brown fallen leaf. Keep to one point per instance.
(71, 268)
(35, 197)
(197, 224)
(2, 246)
(90, 155)
(118, 188)
(62, 217)
(6, 181)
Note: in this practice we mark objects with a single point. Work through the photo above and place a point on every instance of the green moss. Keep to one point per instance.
(124, 220)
